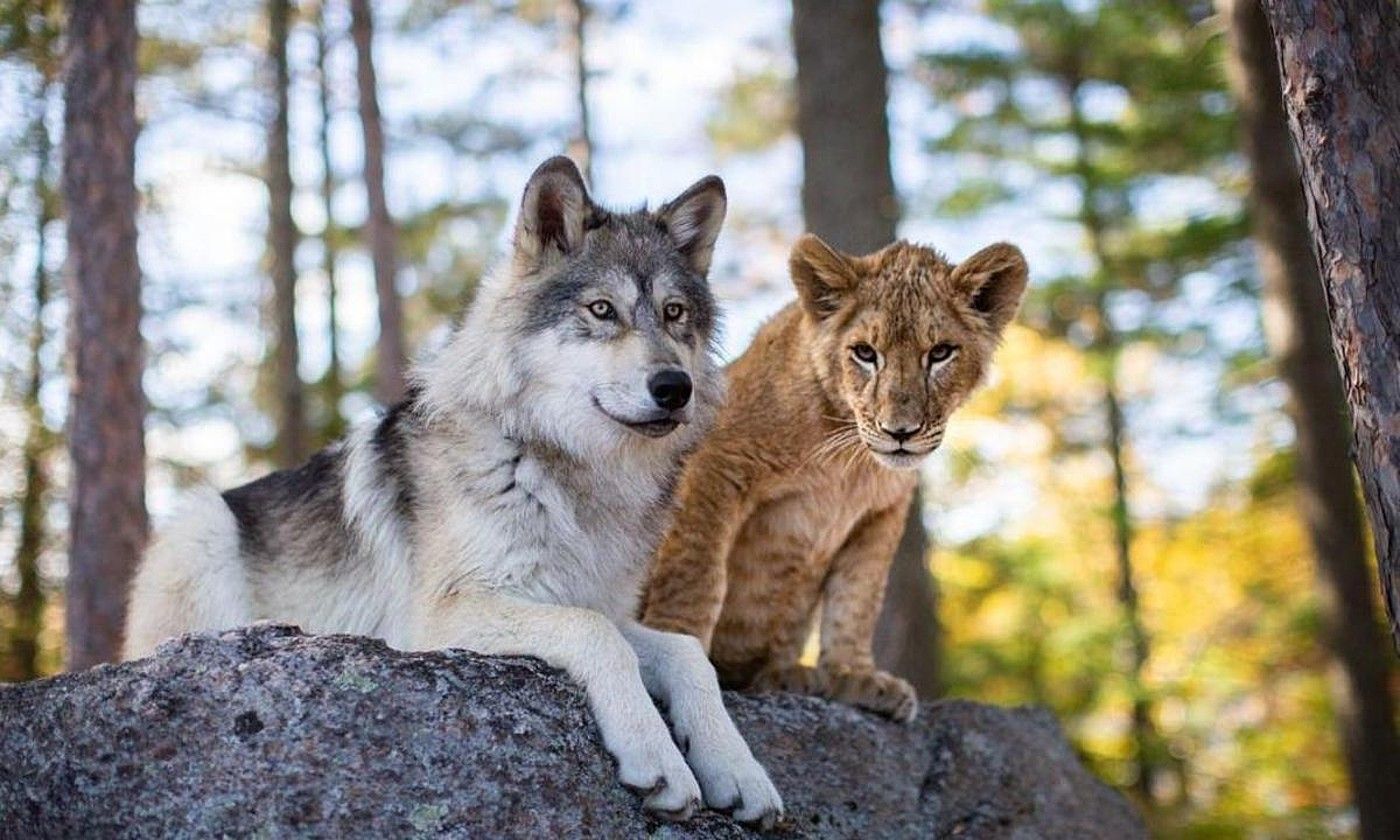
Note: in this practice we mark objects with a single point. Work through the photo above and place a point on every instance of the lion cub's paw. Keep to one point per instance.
(798, 679)
(876, 691)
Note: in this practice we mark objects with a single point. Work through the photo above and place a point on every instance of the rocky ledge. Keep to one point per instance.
(267, 732)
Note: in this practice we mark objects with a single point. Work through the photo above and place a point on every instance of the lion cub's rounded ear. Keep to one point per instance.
(822, 275)
(994, 279)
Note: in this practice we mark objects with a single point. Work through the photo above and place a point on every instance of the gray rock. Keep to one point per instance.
(267, 732)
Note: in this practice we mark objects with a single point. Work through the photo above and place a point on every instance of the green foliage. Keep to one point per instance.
(1116, 100)
(29, 33)
(754, 112)
(1237, 672)
(1123, 106)
(973, 196)
(448, 245)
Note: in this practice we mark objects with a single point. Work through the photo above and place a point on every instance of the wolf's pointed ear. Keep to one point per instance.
(552, 212)
(994, 279)
(822, 275)
(693, 220)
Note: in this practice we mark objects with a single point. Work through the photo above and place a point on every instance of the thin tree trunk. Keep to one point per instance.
(389, 383)
(1295, 320)
(583, 144)
(107, 507)
(1142, 725)
(1146, 741)
(29, 599)
(1342, 95)
(334, 383)
(848, 198)
(907, 632)
(292, 444)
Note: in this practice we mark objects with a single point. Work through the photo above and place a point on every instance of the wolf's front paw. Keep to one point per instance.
(731, 778)
(659, 773)
(798, 679)
(876, 691)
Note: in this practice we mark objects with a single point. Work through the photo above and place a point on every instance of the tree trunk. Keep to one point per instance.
(334, 383)
(292, 445)
(29, 599)
(1148, 751)
(1295, 321)
(389, 383)
(1146, 740)
(848, 198)
(1342, 95)
(107, 507)
(582, 147)
(907, 632)
(848, 195)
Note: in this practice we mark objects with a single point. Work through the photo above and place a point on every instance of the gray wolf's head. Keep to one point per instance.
(608, 317)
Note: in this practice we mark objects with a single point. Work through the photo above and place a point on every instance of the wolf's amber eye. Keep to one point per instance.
(941, 353)
(864, 353)
(673, 311)
(602, 310)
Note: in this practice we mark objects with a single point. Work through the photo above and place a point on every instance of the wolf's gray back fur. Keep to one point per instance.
(510, 503)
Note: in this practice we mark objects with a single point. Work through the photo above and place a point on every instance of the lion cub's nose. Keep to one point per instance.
(670, 388)
(901, 433)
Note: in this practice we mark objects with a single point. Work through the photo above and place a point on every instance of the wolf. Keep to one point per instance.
(510, 504)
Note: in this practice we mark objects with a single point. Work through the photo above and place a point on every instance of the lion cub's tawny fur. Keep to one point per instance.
(799, 495)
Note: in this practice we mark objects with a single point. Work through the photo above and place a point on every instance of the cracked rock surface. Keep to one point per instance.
(267, 732)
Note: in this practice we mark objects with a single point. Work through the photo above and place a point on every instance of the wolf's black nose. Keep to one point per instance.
(670, 389)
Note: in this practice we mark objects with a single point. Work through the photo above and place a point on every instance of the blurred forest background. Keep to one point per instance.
(1147, 521)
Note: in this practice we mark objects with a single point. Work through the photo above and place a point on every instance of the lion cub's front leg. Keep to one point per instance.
(874, 690)
(851, 602)
(792, 677)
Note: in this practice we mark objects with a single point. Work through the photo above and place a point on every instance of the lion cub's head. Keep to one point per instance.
(902, 337)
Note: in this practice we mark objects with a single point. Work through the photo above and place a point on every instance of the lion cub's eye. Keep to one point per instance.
(602, 310)
(941, 353)
(673, 311)
(864, 353)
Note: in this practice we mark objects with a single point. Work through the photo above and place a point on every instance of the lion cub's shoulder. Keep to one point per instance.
(772, 402)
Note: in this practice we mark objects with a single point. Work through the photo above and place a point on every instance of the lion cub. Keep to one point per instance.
(799, 495)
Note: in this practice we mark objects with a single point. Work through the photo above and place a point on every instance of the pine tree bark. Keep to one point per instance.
(333, 383)
(390, 376)
(29, 598)
(292, 443)
(1341, 92)
(1295, 320)
(848, 199)
(107, 509)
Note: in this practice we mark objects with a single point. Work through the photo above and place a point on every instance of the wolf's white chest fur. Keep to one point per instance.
(534, 523)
